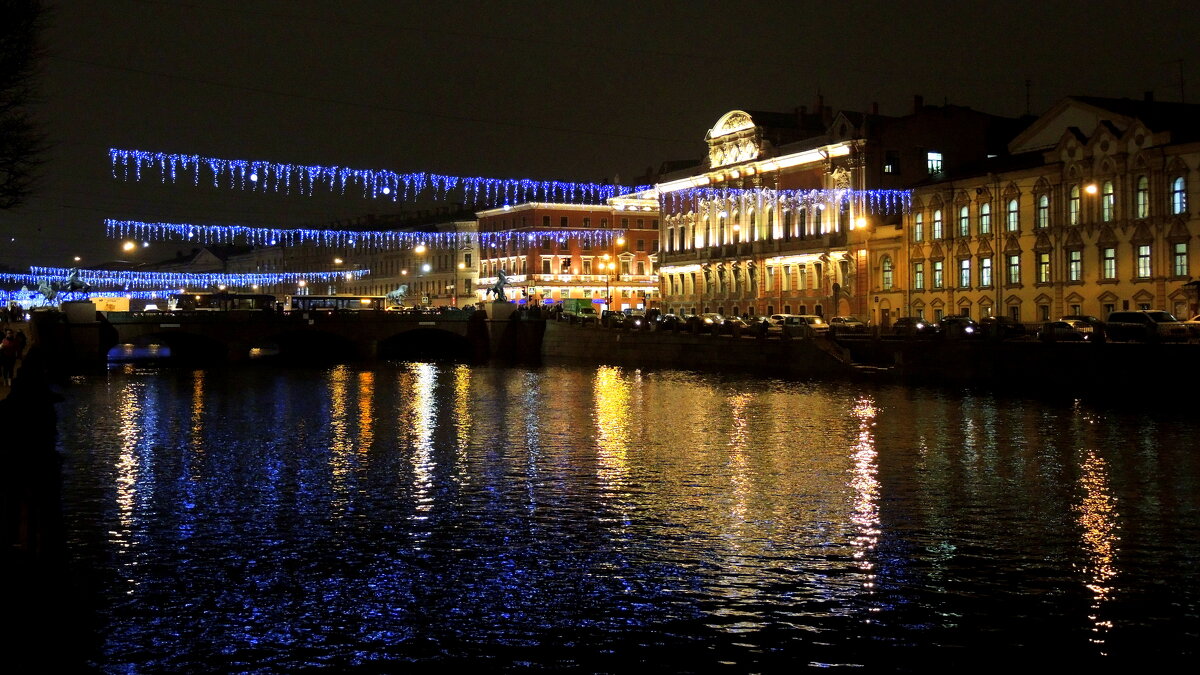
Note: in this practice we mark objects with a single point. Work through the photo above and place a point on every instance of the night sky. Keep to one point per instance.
(549, 90)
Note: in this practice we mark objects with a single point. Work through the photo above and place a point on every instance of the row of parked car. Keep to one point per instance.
(1138, 325)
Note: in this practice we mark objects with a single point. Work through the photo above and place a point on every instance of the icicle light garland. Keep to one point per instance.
(264, 176)
(882, 202)
(127, 279)
(376, 240)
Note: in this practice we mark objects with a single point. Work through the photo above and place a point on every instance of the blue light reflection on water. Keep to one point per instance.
(268, 520)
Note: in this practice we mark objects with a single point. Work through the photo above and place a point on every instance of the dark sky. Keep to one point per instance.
(546, 90)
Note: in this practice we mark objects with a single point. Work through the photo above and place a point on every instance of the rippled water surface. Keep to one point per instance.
(600, 519)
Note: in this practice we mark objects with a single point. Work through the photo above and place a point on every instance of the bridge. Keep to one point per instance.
(237, 335)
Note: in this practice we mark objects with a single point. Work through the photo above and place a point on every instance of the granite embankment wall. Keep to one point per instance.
(702, 351)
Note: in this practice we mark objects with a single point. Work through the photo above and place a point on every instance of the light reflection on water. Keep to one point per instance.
(593, 518)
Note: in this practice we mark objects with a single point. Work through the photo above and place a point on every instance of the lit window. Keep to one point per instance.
(937, 224)
(1142, 197)
(1014, 269)
(888, 279)
(1043, 211)
(1108, 263)
(985, 272)
(1108, 202)
(937, 274)
(1014, 217)
(934, 161)
(1073, 205)
(1043, 271)
(964, 273)
(964, 221)
(1143, 261)
(985, 218)
(919, 276)
(1180, 259)
(1178, 196)
(1075, 265)
(919, 227)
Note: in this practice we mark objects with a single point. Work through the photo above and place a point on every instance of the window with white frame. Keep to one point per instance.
(1141, 199)
(937, 274)
(985, 218)
(1075, 265)
(918, 226)
(933, 161)
(1073, 205)
(1108, 202)
(985, 272)
(919, 276)
(937, 224)
(888, 273)
(964, 221)
(1043, 268)
(1108, 262)
(1179, 259)
(1043, 211)
(1013, 219)
(1143, 261)
(1014, 269)
(964, 273)
(1178, 195)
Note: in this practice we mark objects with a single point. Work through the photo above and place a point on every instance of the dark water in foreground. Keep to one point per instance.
(595, 519)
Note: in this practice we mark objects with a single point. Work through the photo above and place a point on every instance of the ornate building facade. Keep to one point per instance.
(1091, 211)
(587, 261)
(790, 212)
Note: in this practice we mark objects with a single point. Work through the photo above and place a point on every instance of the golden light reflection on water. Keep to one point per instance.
(739, 473)
(612, 420)
(865, 484)
(1097, 517)
(129, 411)
(366, 410)
(341, 444)
(422, 414)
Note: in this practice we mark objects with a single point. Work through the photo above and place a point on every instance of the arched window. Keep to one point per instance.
(1073, 205)
(919, 227)
(1043, 211)
(683, 240)
(1108, 201)
(985, 218)
(1142, 197)
(888, 273)
(1178, 196)
(752, 221)
(964, 221)
(1013, 220)
(937, 224)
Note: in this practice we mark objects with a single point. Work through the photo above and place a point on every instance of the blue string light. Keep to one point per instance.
(882, 202)
(263, 176)
(371, 240)
(128, 279)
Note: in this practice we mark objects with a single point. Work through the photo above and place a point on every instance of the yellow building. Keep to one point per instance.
(1091, 211)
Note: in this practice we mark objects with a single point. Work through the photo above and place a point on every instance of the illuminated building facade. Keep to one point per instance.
(788, 212)
(1091, 211)
(583, 259)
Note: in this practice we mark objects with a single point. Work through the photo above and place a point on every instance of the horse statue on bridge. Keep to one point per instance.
(397, 296)
(497, 288)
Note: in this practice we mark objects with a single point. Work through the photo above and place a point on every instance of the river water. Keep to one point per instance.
(415, 516)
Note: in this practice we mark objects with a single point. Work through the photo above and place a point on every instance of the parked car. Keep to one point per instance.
(734, 322)
(956, 326)
(612, 318)
(847, 325)
(1193, 325)
(911, 326)
(1097, 326)
(800, 325)
(581, 314)
(711, 319)
(1063, 331)
(1002, 327)
(1145, 326)
(669, 321)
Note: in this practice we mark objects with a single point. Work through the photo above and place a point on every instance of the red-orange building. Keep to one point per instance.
(560, 251)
